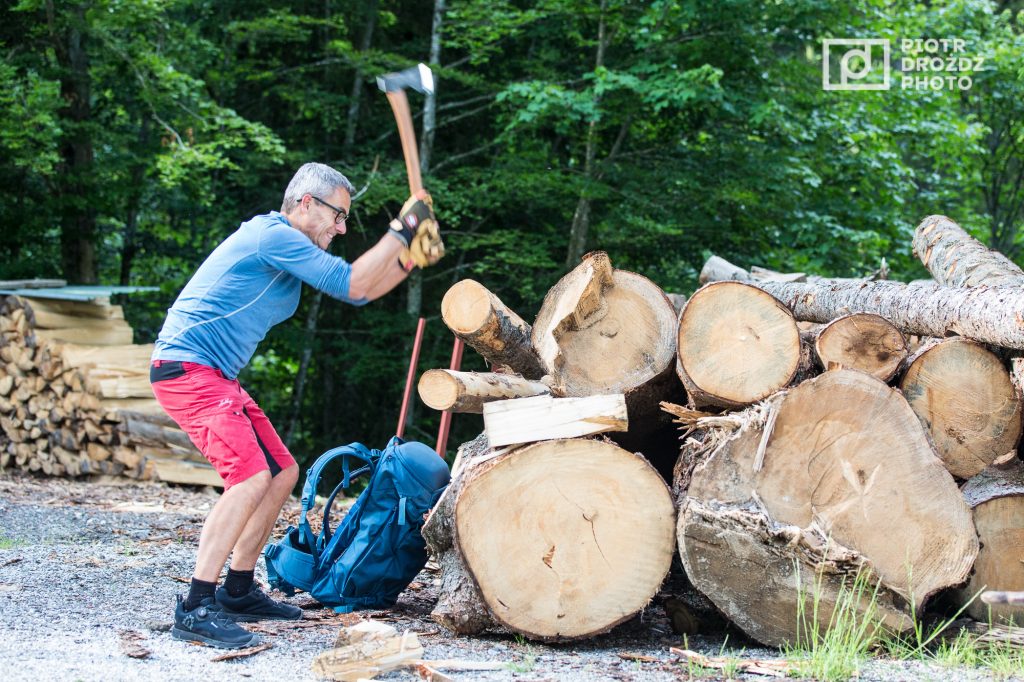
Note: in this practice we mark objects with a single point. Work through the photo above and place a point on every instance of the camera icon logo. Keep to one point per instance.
(855, 64)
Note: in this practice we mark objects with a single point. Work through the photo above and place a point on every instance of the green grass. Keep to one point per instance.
(838, 650)
(10, 543)
(529, 661)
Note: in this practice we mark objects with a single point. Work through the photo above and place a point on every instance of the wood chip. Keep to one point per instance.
(11, 561)
(130, 644)
(628, 656)
(242, 653)
(768, 668)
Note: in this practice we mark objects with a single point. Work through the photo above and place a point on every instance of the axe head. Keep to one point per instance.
(418, 78)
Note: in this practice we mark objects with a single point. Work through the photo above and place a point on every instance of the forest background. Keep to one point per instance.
(135, 135)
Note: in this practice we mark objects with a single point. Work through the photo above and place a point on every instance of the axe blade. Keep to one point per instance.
(419, 78)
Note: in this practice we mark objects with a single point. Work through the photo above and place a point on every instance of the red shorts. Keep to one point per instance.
(223, 421)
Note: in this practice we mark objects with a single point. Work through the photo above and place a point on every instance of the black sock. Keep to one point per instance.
(238, 582)
(199, 590)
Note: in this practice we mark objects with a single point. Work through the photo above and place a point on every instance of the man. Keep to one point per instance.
(251, 282)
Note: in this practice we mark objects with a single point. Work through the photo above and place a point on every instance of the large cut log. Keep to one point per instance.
(556, 547)
(736, 345)
(964, 397)
(446, 389)
(993, 315)
(602, 331)
(487, 325)
(542, 417)
(957, 259)
(835, 477)
(997, 497)
(862, 341)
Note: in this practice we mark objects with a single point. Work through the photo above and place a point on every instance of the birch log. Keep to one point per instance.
(862, 341)
(487, 325)
(446, 389)
(957, 259)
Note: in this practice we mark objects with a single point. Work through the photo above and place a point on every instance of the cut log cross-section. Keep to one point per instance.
(546, 540)
(997, 497)
(487, 325)
(835, 476)
(862, 341)
(964, 397)
(736, 345)
(602, 331)
(446, 389)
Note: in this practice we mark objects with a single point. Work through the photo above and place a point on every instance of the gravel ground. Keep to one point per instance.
(89, 570)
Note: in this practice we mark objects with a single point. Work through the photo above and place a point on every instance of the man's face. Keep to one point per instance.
(317, 219)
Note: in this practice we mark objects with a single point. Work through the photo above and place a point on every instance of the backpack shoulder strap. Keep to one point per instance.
(345, 452)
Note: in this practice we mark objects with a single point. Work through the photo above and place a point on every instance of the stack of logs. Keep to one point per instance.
(828, 426)
(75, 396)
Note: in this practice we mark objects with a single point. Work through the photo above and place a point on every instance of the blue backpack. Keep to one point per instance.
(378, 549)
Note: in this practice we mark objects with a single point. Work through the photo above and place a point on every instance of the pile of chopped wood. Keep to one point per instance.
(828, 426)
(75, 396)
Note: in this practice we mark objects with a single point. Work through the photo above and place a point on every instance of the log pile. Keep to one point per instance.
(75, 396)
(829, 425)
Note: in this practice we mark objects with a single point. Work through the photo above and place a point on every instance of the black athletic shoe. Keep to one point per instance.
(206, 623)
(255, 605)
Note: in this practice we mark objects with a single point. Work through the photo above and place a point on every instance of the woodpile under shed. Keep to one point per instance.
(75, 397)
(828, 427)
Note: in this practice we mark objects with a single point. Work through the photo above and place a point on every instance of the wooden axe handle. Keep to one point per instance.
(400, 105)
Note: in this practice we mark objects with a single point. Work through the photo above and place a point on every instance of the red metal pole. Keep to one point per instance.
(410, 376)
(446, 416)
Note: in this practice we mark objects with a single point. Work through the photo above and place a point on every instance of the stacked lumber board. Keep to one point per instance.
(836, 433)
(75, 397)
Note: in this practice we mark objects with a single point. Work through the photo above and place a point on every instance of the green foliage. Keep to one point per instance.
(703, 128)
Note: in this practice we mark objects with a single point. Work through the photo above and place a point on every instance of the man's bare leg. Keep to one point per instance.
(226, 523)
(250, 543)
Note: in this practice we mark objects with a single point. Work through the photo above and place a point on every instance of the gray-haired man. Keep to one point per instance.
(251, 282)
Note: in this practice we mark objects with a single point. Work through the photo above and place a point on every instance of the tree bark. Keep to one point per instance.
(491, 328)
(578, 552)
(997, 497)
(834, 477)
(964, 397)
(861, 341)
(957, 259)
(445, 389)
(736, 345)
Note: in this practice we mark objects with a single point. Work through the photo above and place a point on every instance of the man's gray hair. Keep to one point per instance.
(317, 179)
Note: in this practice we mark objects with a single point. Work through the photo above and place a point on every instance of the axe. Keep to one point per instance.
(418, 78)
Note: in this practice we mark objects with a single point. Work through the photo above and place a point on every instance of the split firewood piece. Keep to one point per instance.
(828, 481)
(718, 269)
(487, 325)
(542, 417)
(862, 341)
(957, 259)
(997, 497)
(964, 397)
(369, 653)
(446, 389)
(736, 345)
(602, 331)
(986, 314)
(580, 552)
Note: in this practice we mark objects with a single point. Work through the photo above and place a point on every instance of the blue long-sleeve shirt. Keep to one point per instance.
(250, 282)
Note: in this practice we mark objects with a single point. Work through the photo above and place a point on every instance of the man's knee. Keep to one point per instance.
(256, 485)
(288, 477)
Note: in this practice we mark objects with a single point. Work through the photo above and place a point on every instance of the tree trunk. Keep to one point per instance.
(601, 331)
(966, 401)
(445, 389)
(736, 345)
(957, 259)
(833, 477)
(997, 497)
(861, 341)
(488, 326)
(573, 553)
(986, 314)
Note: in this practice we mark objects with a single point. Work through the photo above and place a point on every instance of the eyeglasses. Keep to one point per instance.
(340, 214)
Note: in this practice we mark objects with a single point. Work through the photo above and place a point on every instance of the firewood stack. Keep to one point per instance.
(75, 396)
(828, 427)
